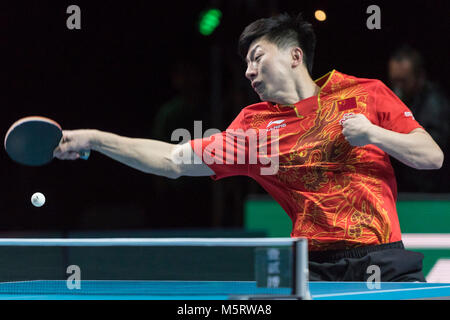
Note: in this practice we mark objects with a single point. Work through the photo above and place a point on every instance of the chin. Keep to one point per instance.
(263, 97)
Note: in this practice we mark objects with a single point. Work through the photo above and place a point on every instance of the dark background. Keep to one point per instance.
(116, 72)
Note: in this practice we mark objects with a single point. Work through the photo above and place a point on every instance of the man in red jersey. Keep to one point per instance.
(330, 141)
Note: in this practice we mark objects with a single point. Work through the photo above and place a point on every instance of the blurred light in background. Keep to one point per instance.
(209, 21)
(320, 15)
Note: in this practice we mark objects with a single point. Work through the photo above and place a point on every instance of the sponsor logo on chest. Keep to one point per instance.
(276, 124)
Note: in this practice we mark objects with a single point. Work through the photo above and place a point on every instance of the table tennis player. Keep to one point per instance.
(336, 134)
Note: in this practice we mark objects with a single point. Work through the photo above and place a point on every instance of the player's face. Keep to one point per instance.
(269, 70)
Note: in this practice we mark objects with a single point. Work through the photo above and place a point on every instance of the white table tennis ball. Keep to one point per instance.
(38, 199)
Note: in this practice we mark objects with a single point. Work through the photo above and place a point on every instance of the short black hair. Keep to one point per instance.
(282, 30)
(406, 52)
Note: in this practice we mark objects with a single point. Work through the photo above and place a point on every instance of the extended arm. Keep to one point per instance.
(149, 156)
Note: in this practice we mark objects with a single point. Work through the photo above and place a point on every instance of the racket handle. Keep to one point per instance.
(84, 154)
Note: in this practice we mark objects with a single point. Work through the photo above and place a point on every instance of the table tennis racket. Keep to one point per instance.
(31, 141)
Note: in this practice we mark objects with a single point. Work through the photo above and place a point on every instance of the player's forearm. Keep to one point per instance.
(149, 156)
(417, 149)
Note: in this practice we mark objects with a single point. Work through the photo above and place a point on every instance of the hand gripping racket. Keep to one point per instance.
(31, 141)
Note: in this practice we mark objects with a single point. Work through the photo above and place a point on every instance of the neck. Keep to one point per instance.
(304, 88)
(307, 88)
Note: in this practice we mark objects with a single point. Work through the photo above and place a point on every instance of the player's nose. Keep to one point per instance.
(250, 73)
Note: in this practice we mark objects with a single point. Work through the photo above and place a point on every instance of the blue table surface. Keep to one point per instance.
(212, 290)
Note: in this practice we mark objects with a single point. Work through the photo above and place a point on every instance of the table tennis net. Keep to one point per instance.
(123, 270)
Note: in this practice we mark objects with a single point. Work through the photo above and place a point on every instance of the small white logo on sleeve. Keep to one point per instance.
(409, 114)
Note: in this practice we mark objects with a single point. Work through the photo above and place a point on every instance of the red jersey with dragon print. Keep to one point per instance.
(336, 195)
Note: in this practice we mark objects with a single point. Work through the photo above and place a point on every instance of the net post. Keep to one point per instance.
(300, 287)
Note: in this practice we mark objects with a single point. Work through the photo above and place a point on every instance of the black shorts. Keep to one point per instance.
(394, 263)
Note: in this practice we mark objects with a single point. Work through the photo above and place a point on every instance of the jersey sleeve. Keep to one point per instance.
(224, 152)
(392, 113)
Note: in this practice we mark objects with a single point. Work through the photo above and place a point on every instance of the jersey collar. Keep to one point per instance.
(311, 104)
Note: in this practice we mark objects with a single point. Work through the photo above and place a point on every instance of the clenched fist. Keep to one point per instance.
(357, 129)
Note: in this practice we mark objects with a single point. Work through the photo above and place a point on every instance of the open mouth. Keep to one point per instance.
(256, 85)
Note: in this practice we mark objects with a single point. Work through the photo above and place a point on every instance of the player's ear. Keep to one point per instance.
(297, 56)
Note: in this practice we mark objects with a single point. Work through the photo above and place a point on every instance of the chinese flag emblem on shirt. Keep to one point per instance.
(347, 104)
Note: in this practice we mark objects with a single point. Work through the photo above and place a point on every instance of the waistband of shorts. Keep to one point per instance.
(359, 252)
